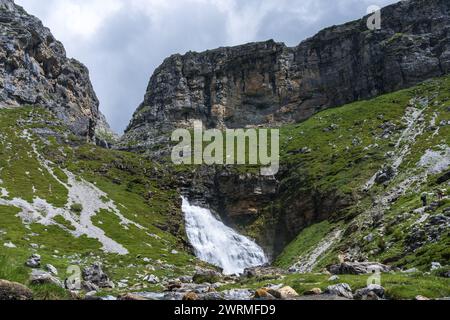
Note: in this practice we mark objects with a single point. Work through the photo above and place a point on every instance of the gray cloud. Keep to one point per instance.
(123, 41)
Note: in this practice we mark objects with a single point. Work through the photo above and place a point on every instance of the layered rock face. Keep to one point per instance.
(268, 83)
(34, 70)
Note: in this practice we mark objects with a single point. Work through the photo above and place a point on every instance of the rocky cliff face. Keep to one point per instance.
(34, 70)
(269, 83)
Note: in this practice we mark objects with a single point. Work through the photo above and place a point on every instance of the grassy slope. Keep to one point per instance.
(345, 158)
(139, 188)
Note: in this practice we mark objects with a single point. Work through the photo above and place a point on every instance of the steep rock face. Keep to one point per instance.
(34, 70)
(268, 83)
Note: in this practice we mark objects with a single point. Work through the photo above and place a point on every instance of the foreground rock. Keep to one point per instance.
(314, 292)
(40, 277)
(95, 275)
(372, 292)
(10, 291)
(285, 293)
(34, 261)
(131, 297)
(206, 276)
(340, 290)
(358, 268)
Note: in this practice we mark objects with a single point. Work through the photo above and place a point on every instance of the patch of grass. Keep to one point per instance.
(76, 208)
(303, 244)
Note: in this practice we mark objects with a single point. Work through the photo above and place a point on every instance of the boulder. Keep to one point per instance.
(266, 294)
(206, 276)
(340, 290)
(131, 297)
(444, 178)
(89, 286)
(385, 175)
(261, 293)
(435, 266)
(152, 279)
(12, 291)
(174, 285)
(287, 293)
(422, 298)
(190, 296)
(357, 268)
(333, 278)
(40, 277)
(372, 292)
(314, 292)
(34, 261)
(95, 275)
(51, 269)
(212, 296)
(186, 279)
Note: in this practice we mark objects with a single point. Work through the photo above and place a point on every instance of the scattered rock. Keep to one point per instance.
(266, 294)
(95, 275)
(174, 285)
(40, 277)
(332, 127)
(314, 292)
(212, 296)
(333, 278)
(385, 175)
(341, 290)
(186, 279)
(152, 279)
(304, 150)
(34, 261)
(238, 294)
(206, 276)
(89, 286)
(435, 266)
(264, 273)
(190, 296)
(51, 269)
(372, 292)
(286, 293)
(261, 293)
(9, 245)
(131, 297)
(422, 298)
(357, 268)
(11, 291)
(412, 270)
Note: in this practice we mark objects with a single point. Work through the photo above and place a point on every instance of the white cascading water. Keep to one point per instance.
(218, 244)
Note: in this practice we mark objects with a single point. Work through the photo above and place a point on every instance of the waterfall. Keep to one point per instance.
(218, 244)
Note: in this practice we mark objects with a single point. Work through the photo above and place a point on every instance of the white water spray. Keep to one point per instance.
(218, 244)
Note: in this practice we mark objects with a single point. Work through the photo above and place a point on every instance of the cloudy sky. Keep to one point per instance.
(123, 41)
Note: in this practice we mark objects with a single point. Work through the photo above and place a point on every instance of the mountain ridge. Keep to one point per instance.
(269, 84)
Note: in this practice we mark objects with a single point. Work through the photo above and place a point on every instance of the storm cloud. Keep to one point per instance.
(123, 41)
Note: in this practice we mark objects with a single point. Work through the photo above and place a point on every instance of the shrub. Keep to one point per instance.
(76, 207)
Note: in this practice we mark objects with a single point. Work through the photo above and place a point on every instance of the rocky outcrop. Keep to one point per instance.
(34, 70)
(357, 268)
(269, 83)
(11, 291)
